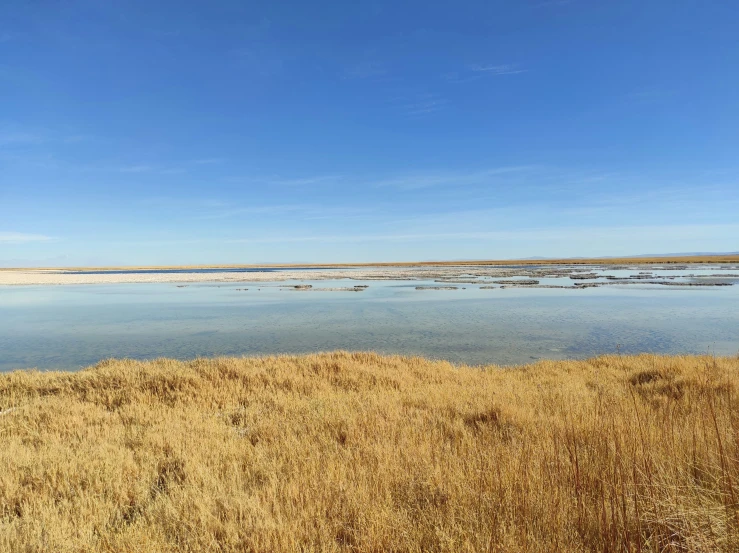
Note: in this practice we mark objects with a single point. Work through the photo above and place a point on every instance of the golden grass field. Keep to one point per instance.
(670, 260)
(360, 452)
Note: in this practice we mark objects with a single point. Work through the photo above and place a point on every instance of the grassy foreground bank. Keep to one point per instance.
(360, 452)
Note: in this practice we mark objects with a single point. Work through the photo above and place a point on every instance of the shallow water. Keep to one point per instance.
(68, 327)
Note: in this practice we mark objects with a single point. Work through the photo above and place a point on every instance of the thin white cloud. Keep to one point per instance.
(208, 161)
(166, 169)
(305, 181)
(210, 209)
(20, 135)
(159, 169)
(409, 181)
(274, 180)
(136, 169)
(251, 210)
(20, 138)
(297, 212)
(189, 206)
(505, 69)
(462, 77)
(22, 238)
(425, 105)
(437, 179)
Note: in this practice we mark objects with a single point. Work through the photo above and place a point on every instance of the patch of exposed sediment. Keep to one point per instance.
(309, 288)
(442, 274)
(584, 276)
(656, 282)
(437, 288)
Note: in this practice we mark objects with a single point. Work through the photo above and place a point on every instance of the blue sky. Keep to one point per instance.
(139, 132)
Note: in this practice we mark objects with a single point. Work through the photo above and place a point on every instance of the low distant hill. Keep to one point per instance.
(682, 254)
(688, 254)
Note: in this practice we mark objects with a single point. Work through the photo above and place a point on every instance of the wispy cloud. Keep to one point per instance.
(415, 181)
(234, 211)
(22, 238)
(288, 182)
(306, 181)
(505, 69)
(136, 169)
(207, 209)
(161, 202)
(20, 138)
(406, 181)
(20, 135)
(303, 212)
(208, 161)
(462, 76)
(168, 169)
(477, 71)
(425, 105)
(403, 181)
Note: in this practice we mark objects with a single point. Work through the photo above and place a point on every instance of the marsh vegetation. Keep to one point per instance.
(361, 452)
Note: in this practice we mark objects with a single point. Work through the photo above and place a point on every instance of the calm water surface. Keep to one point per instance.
(68, 327)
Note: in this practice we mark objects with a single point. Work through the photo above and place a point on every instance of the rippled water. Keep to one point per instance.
(68, 327)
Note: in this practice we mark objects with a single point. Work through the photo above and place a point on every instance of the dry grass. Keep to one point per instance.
(359, 452)
(672, 260)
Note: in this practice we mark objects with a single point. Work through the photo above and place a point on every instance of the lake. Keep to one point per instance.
(73, 326)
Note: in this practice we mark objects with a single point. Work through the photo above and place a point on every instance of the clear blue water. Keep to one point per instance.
(69, 327)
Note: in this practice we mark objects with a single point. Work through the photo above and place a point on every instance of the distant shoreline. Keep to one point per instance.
(491, 262)
(441, 272)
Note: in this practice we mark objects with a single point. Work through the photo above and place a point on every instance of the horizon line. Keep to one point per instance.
(731, 257)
